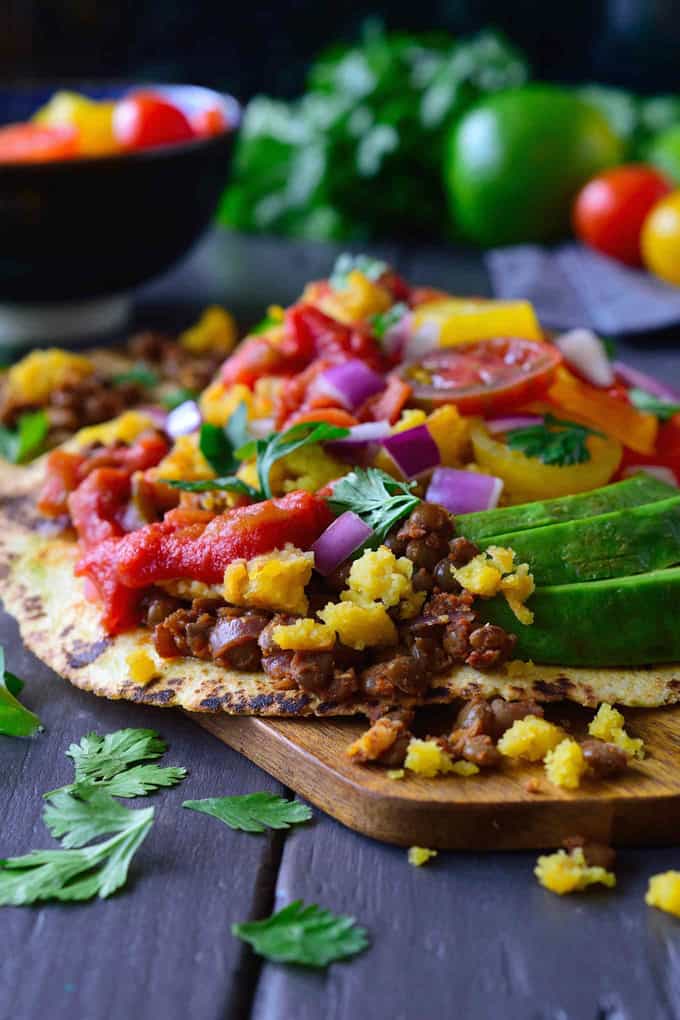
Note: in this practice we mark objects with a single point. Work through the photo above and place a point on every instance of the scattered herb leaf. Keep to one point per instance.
(77, 817)
(217, 449)
(176, 397)
(553, 442)
(376, 497)
(264, 324)
(228, 484)
(346, 263)
(80, 874)
(662, 408)
(303, 934)
(15, 720)
(236, 429)
(278, 445)
(384, 321)
(610, 346)
(253, 812)
(26, 441)
(138, 375)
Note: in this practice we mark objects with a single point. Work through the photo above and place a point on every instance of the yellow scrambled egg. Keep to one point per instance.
(378, 576)
(664, 892)
(142, 666)
(218, 402)
(564, 872)
(426, 758)
(304, 635)
(360, 626)
(419, 855)
(495, 572)
(215, 332)
(310, 468)
(123, 429)
(275, 580)
(608, 725)
(184, 461)
(565, 764)
(33, 378)
(530, 738)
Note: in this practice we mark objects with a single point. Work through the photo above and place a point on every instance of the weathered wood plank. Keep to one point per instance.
(162, 946)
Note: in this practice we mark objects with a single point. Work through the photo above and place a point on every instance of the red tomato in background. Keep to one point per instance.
(610, 209)
(36, 143)
(666, 452)
(208, 122)
(144, 119)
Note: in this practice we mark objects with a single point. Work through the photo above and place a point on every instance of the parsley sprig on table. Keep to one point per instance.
(27, 440)
(376, 497)
(252, 812)
(308, 935)
(226, 448)
(644, 401)
(553, 441)
(15, 719)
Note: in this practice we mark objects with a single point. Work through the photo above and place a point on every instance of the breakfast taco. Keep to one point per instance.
(387, 497)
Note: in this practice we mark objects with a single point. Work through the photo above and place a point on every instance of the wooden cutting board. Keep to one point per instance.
(490, 811)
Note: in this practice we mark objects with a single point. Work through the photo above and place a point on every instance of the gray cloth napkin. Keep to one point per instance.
(573, 286)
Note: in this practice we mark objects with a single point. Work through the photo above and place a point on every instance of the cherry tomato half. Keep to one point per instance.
(484, 377)
(35, 143)
(144, 119)
(610, 209)
(209, 121)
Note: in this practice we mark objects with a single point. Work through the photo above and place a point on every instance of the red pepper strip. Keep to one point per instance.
(97, 505)
(332, 415)
(388, 405)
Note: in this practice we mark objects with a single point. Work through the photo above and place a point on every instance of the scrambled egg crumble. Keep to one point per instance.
(608, 725)
(465, 768)
(565, 764)
(426, 758)
(530, 738)
(377, 739)
(215, 332)
(310, 468)
(304, 635)
(395, 773)
(379, 576)
(184, 461)
(275, 580)
(360, 626)
(123, 429)
(218, 402)
(142, 666)
(495, 571)
(419, 855)
(33, 378)
(664, 892)
(564, 872)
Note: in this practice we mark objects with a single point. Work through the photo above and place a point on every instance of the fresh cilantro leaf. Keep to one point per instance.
(610, 346)
(139, 375)
(79, 816)
(303, 934)
(26, 441)
(553, 441)
(218, 443)
(662, 408)
(176, 397)
(376, 497)
(228, 484)
(98, 758)
(346, 263)
(264, 324)
(278, 445)
(80, 874)
(384, 321)
(141, 779)
(15, 720)
(253, 811)
(236, 429)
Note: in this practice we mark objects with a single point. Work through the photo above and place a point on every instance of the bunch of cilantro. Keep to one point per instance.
(358, 156)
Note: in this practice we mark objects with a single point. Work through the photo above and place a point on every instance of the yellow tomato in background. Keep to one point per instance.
(91, 119)
(661, 239)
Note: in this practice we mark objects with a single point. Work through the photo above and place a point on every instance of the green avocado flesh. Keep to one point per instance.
(490, 524)
(624, 621)
(631, 541)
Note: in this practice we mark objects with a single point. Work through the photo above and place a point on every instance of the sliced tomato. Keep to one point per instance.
(97, 505)
(37, 143)
(143, 119)
(485, 377)
(331, 415)
(666, 452)
(328, 337)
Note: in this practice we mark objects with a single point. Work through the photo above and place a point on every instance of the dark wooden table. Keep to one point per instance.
(471, 936)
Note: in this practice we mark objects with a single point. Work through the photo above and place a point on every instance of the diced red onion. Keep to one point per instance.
(158, 415)
(350, 383)
(339, 541)
(584, 351)
(518, 421)
(659, 471)
(463, 492)
(634, 377)
(414, 451)
(396, 337)
(362, 441)
(183, 419)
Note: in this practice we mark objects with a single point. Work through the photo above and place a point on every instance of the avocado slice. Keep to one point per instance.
(623, 621)
(489, 524)
(631, 541)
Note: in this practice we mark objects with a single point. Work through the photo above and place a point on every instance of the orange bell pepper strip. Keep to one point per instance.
(635, 429)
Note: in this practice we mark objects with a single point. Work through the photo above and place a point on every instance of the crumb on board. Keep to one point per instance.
(664, 892)
(532, 786)
(395, 773)
(530, 738)
(564, 872)
(419, 855)
(607, 725)
(565, 764)
(426, 758)
(142, 666)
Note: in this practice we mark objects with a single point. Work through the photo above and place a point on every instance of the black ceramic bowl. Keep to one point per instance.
(88, 227)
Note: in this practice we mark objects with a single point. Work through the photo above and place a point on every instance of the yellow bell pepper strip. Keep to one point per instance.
(452, 321)
(527, 478)
(92, 120)
(635, 429)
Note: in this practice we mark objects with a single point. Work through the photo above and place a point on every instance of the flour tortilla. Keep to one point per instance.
(61, 627)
